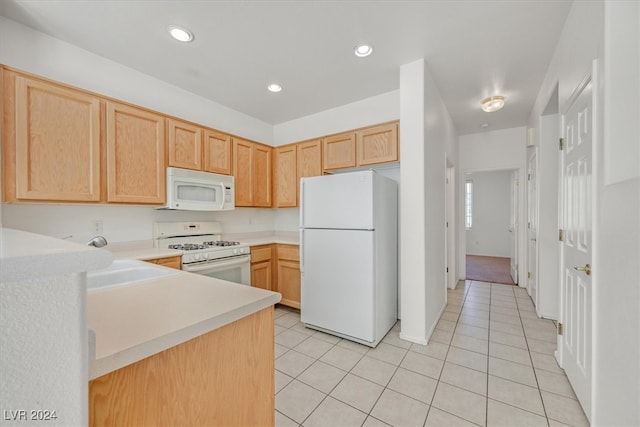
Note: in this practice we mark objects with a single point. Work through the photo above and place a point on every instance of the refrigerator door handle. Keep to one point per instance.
(301, 202)
(301, 250)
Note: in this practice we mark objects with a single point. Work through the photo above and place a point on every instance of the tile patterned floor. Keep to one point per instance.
(489, 363)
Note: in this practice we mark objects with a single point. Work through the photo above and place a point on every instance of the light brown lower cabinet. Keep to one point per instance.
(262, 267)
(276, 267)
(171, 262)
(288, 273)
(222, 378)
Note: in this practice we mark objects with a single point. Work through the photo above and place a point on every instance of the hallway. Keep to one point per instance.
(489, 363)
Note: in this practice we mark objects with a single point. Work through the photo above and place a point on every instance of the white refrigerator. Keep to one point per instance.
(349, 255)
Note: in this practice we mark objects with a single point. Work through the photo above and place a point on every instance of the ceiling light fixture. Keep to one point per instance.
(493, 103)
(274, 87)
(180, 34)
(363, 50)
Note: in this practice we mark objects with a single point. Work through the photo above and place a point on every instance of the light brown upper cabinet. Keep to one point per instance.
(135, 155)
(292, 162)
(216, 152)
(184, 145)
(309, 158)
(51, 141)
(285, 175)
(377, 144)
(262, 175)
(339, 151)
(252, 172)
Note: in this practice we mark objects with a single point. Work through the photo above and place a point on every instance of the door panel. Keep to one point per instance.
(338, 201)
(337, 281)
(576, 167)
(513, 227)
(532, 227)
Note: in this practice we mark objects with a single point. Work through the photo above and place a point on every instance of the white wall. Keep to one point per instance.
(616, 237)
(492, 151)
(489, 235)
(121, 222)
(427, 131)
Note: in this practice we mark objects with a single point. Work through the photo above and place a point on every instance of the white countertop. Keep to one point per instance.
(134, 322)
(265, 238)
(25, 256)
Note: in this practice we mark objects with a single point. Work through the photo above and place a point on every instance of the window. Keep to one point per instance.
(468, 204)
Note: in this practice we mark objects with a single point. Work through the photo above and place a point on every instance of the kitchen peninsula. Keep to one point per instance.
(181, 349)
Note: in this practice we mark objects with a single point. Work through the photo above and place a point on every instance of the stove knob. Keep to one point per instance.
(235, 252)
(205, 255)
(196, 257)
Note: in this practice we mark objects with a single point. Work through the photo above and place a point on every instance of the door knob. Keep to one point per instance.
(586, 269)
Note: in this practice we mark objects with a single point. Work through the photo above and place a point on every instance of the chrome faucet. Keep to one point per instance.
(97, 241)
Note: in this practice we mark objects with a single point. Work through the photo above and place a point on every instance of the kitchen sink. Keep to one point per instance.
(125, 272)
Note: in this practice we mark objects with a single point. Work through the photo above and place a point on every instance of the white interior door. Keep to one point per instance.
(532, 225)
(576, 222)
(513, 227)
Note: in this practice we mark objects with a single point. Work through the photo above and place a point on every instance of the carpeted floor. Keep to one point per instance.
(489, 269)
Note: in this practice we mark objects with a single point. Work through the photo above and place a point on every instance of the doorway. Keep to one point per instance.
(491, 226)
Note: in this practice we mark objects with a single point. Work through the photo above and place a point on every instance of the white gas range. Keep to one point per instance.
(203, 251)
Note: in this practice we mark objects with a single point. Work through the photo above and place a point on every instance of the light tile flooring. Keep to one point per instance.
(489, 363)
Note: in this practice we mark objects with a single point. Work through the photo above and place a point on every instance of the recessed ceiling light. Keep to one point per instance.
(363, 50)
(180, 34)
(274, 87)
(484, 125)
(492, 103)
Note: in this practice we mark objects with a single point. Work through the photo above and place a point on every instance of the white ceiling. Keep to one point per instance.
(473, 48)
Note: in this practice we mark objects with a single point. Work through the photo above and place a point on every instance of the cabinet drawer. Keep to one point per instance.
(289, 252)
(260, 253)
(171, 261)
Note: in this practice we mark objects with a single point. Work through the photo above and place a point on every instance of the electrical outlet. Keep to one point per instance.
(97, 226)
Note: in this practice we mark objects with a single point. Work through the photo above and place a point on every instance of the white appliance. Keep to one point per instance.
(199, 191)
(203, 251)
(349, 255)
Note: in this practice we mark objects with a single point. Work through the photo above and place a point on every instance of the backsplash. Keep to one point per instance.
(126, 223)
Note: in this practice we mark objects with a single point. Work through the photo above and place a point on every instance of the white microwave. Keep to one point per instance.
(191, 190)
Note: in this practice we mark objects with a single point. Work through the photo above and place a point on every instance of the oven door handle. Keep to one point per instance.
(217, 265)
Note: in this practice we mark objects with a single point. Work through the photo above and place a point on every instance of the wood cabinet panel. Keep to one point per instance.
(262, 275)
(184, 145)
(242, 164)
(216, 152)
(339, 151)
(262, 272)
(288, 274)
(171, 262)
(252, 172)
(135, 155)
(285, 182)
(377, 144)
(309, 159)
(222, 378)
(262, 175)
(51, 141)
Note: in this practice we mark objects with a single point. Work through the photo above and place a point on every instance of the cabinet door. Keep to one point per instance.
(261, 175)
(309, 159)
(378, 144)
(339, 151)
(285, 182)
(289, 282)
(242, 164)
(56, 142)
(261, 275)
(288, 274)
(135, 155)
(185, 145)
(217, 152)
